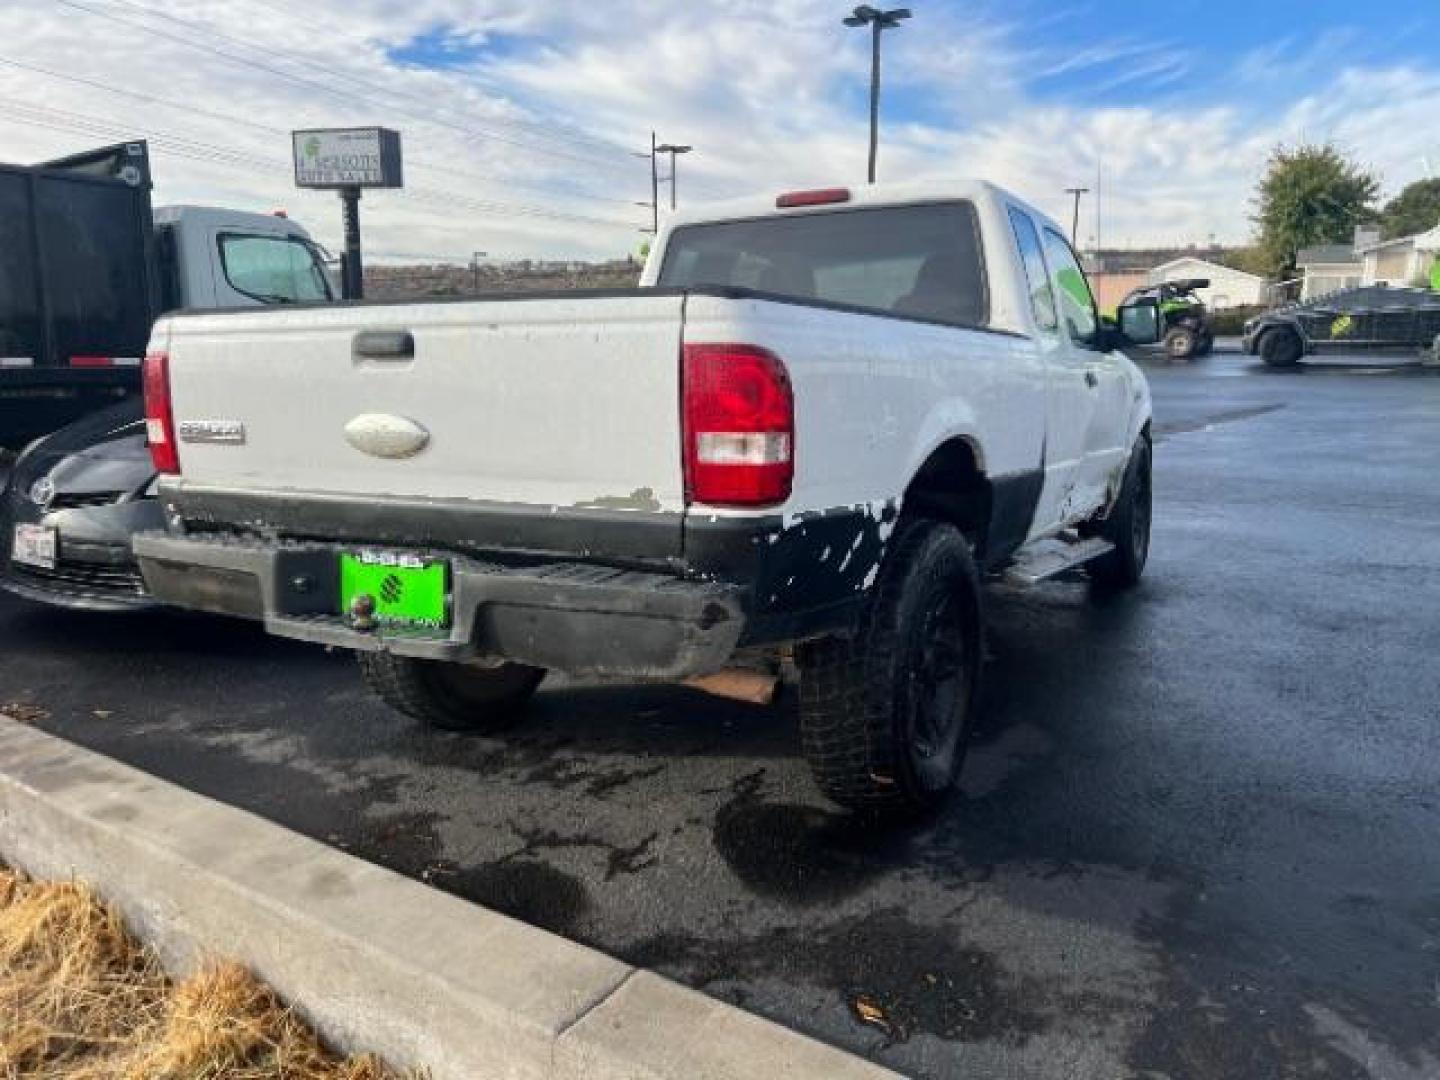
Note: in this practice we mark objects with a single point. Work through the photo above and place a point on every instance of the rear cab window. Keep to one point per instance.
(922, 262)
(273, 269)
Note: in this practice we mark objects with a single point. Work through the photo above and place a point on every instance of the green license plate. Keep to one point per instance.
(409, 592)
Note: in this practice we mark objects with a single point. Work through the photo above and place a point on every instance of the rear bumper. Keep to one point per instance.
(567, 616)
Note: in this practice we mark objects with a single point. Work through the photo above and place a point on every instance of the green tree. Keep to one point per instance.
(1250, 259)
(1415, 210)
(1310, 195)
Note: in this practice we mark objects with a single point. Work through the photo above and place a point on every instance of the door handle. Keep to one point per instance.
(385, 345)
(1091, 379)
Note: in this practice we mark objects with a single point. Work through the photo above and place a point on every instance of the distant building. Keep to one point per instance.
(1112, 286)
(1327, 267)
(1228, 287)
(1407, 260)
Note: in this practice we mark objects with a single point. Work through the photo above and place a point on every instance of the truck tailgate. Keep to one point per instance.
(552, 403)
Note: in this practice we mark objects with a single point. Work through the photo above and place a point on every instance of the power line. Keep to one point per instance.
(541, 129)
(473, 130)
(193, 149)
(270, 129)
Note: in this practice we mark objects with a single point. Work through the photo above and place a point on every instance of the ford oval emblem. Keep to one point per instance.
(386, 436)
(42, 492)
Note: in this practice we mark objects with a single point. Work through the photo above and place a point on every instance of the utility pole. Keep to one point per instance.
(654, 203)
(674, 152)
(475, 258)
(878, 21)
(1075, 219)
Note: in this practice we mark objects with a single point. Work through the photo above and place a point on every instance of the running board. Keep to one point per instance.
(1050, 558)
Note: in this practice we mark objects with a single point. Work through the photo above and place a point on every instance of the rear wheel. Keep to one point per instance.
(455, 697)
(885, 715)
(1281, 347)
(1181, 343)
(1128, 526)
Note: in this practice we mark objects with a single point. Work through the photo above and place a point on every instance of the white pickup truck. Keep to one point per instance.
(818, 422)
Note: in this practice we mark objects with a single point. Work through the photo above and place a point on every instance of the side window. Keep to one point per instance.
(1042, 299)
(273, 269)
(1077, 305)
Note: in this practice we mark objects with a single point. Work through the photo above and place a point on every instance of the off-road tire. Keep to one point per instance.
(1181, 343)
(1128, 526)
(1281, 347)
(885, 714)
(450, 696)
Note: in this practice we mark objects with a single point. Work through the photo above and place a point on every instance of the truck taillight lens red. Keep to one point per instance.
(739, 426)
(159, 416)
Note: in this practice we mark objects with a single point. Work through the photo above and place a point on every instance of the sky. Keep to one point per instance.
(526, 122)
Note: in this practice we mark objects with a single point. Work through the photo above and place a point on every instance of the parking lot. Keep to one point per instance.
(1195, 837)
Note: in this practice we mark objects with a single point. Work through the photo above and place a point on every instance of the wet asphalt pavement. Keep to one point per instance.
(1198, 836)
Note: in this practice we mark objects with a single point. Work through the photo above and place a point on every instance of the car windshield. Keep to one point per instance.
(920, 261)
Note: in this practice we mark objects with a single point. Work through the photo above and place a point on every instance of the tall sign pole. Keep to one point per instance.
(348, 160)
(352, 270)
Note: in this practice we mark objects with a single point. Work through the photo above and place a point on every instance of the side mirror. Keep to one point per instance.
(1140, 323)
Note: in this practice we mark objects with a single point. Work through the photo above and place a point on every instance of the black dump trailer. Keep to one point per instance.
(79, 287)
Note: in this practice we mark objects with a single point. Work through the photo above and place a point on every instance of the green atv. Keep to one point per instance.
(1185, 330)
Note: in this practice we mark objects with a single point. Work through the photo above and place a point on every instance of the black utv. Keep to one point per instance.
(1366, 318)
(1184, 321)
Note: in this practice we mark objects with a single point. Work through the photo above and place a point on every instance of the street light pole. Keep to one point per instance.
(878, 21)
(475, 258)
(674, 151)
(1075, 219)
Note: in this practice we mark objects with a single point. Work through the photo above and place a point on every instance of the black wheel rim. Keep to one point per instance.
(1140, 514)
(939, 682)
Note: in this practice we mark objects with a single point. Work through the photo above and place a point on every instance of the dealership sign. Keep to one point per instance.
(347, 158)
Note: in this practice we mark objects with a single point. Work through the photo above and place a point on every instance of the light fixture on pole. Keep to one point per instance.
(878, 21)
(674, 151)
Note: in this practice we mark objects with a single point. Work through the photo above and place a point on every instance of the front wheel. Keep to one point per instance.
(450, 696)
(885, 714)
(1281, 348)
(1128, 526)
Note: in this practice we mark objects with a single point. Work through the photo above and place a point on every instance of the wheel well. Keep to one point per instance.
(950, 486)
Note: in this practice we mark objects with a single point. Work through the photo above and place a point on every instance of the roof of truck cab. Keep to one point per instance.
(861, 195)
(224, 218)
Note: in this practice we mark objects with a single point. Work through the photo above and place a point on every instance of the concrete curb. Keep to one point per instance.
(375, 961)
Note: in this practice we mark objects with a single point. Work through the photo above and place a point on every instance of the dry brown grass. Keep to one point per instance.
(80, 999)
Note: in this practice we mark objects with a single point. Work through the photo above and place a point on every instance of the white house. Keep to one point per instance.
(1404, 261)
(1328, 267)
(1228, 287)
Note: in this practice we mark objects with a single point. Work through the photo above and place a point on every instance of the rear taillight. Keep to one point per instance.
(739, 420)
(159, 416)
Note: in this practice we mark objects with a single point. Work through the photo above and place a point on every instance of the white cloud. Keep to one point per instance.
(539, 103)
